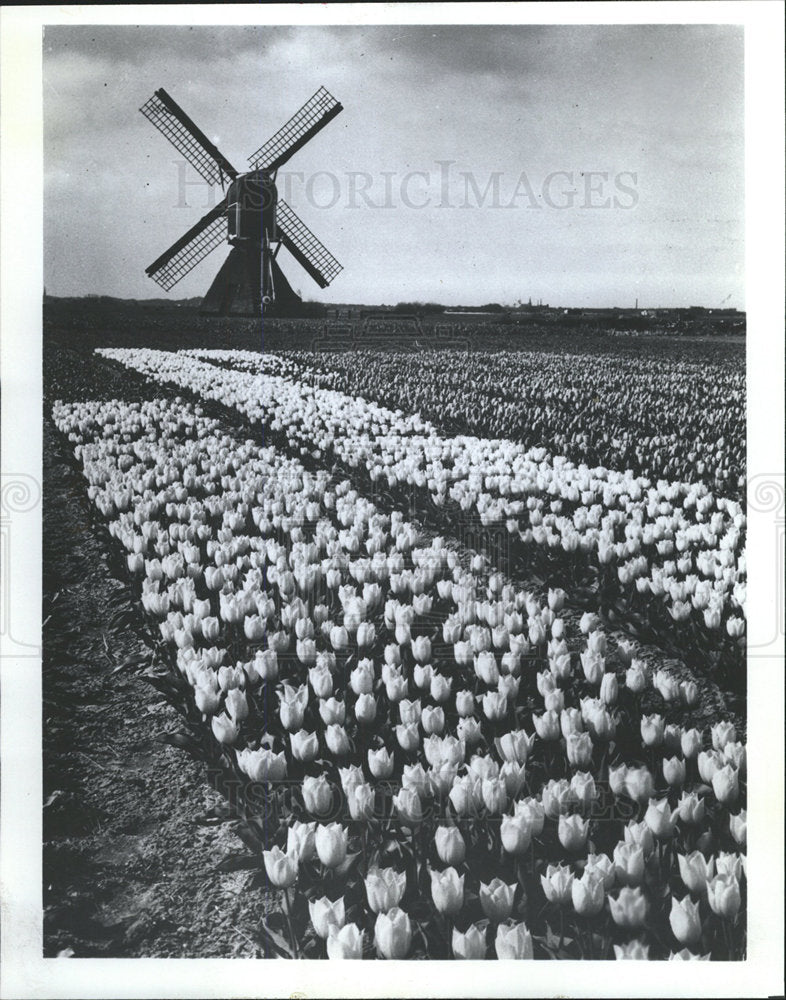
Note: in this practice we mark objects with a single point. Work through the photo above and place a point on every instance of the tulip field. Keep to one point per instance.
(453, 634)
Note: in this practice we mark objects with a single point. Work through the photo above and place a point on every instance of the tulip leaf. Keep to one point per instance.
(240, 863)
(347, 863)
(276, 941)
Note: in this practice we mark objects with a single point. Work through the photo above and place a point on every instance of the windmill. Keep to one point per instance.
(251, 216)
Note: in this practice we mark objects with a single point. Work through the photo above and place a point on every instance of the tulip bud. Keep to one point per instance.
(572, 832)
(547, 726)
(602, 866)
(690, 743)
(365, 709)
(652, 727)
(578, 747)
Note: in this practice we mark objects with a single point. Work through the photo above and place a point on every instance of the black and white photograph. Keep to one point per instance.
(394, 470)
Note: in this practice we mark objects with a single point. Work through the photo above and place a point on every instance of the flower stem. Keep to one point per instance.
(288, 912)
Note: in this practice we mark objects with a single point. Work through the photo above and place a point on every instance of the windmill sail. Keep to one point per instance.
(190, 249)
(170, 119)
(305, 247)
(302, 126)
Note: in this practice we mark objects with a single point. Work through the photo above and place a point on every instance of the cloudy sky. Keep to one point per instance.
(575, 165)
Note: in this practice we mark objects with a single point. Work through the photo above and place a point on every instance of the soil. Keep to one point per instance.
(129, 856)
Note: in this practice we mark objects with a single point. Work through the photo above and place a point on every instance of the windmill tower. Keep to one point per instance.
(251, 216)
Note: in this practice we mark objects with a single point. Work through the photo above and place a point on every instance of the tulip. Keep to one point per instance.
(729, 864)
(601, 866)
(393, 934)
(332, 712)
(725, 784)
(440, 687)
(447, 891)
(674, 772)
(281, 868)
(337, 740)
(672, 738)
(365, 709)
(660, 818)
(433, 720)
(350, 777)
(547, 726)
(652, 727)
(361, 802)
(578, 747)
(321, 681)
(630, 907)
(513, 942)
(709, 762)
(557, 884)
(534, 813)
(735, 754)
(305, 746)
(690, 808)
(696, 871)
(639, 784)
(471, 944)
(723, 895)
(632, 950)
(407, 803)
(317, 795)
(738, 826)
(635, 678)
(362, 678)
(262, 765)
(224, 729)
(572, 832)
(617, 778)
(384, 888)
(408, 736)
(609, 689)
(588, 894)
(345, 943)
(331, 844)
(516, 833)
(690, 693)
(465, 703)
(686, 956)
(629, 863)
(409, 711)
(468, 730)
(325, 915)
(207, 700)
(690, 743)
(641, 835)
(495, 705)
(582, 788)
(301, 840)
(450, 845)
(514, 746)
(496, 899)
(423, 675)
(667, 685)
(556, 796)
(380, 763)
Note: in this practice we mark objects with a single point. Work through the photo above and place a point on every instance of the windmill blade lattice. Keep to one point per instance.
(318, 110)
(305, 247)
(210, 232)
(170, 119)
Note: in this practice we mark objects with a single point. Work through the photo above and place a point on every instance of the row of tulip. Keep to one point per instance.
(601, 409)
(420, 749)
(673, 551)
